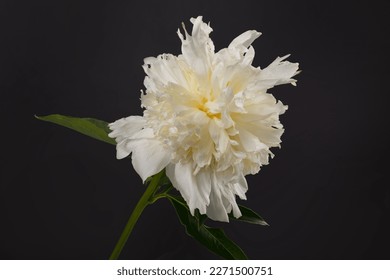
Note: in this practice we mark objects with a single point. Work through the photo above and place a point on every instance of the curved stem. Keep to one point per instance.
(142, 203)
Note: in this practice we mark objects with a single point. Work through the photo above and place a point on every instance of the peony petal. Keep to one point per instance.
(219, 136)
(230, 200)
(197, 48)
(216, 209)
(126, 127)
(122, 130)
(149, 156)
(121, 150)
(202, 154)
(249, 56)
(194, 189)
(250, 142)
(203, 179)
(279, 72)
(243, 41)
(241, 187)
(162, 70)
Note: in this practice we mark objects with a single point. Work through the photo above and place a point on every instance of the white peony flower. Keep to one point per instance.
(208, 119)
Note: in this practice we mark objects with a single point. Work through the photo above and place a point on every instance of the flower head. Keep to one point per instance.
(208, 119)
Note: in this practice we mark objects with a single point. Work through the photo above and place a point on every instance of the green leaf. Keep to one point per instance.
(249, 216)
(213, 238)
(91, 127)
(201, 218)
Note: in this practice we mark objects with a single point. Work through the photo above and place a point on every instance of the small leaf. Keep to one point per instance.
(213, 238)
(91, 127)
(249, 216)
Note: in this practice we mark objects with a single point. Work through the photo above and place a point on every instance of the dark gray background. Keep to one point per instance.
(65, 196)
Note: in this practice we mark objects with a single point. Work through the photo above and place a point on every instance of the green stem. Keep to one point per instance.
(160, 195)
(142, 203)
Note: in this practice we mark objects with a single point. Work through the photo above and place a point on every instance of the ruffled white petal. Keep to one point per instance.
(279, 72)
(217, 210)
(163, 70)
(122, 130)
(149, 156)
(230, 201)
(126, 127)
(241, 43)
(197, 48)
(250, 142)
(194, 189)
(241, 186)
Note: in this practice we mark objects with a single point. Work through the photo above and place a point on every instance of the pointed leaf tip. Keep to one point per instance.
(249, 216)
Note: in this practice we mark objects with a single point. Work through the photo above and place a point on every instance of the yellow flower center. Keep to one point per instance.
(202, 106)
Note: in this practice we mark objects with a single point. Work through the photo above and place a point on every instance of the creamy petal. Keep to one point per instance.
(197, 48)
(122, 130)
(280, 72)
(149, 156)
(126, 127)
(241, 187)
(249, 56)
(219, 136)
(194, 189)
(202, 154)
(216, 209)
(230, 201)
(162, 70)
(250, 142)
(243, 41)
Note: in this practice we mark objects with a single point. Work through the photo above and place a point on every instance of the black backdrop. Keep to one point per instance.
(65, 196)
